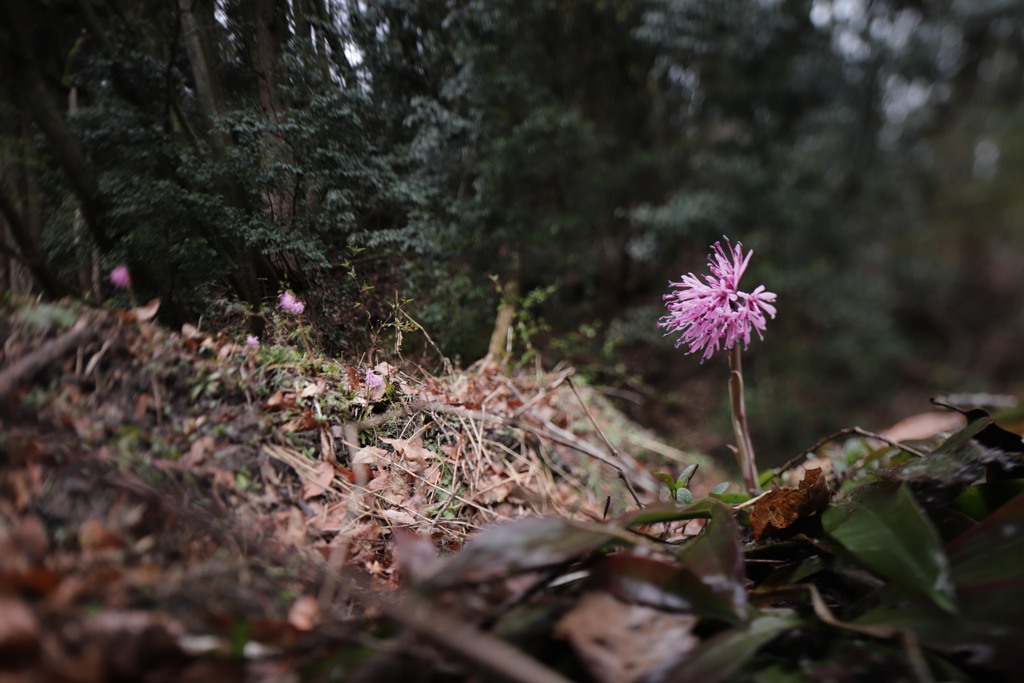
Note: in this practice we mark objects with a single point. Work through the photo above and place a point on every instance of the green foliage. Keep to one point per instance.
(590, 151)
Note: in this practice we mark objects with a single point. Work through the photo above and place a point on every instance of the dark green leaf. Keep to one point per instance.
(722, 655)
(519, 546)
(667, 512)
(987, 632)
(886, 531)
(980, 500)
(993, 550)
(717, 559)
(662, 585)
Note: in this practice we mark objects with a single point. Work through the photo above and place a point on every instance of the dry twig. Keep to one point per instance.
(793, 462)
(27, 366)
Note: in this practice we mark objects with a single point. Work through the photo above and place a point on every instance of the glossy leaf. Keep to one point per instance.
(981, 500)
(666, 586)
(722, 655)
(667, 512)
(520, 546)
(717, 559)
(886, 531)
(992, 550)
(986, 633)
(686, 475)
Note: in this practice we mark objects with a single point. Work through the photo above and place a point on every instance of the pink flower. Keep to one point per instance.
(252, 340)
(291, 304)
(120, 277)
(373, 380)
(715, 314)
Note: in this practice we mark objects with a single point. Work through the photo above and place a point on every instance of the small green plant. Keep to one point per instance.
(679, 488)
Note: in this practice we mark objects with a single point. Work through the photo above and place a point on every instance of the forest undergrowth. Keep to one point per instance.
(187, 506)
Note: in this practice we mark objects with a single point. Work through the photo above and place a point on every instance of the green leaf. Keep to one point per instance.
(980, 500)
(988, 631)
(721, 488)
(686, 475)
(717, 559)
(886, 531)
(519, 546)
(667, 512)
(722, 655)
(662, 585)
(683, 495)
(667, 478)
(993, 549)
(730, 498)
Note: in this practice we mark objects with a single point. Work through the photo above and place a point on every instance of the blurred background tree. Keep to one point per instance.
(566, 158)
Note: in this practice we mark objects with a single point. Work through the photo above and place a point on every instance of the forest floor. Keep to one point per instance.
(181, 506)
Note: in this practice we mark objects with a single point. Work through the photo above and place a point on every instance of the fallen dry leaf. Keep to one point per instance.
(190, 331)
(621, 643)
(313, 389)
(280, 400)
(301, 423)
(304, 613)
(399, 517)
(19, 628)
(324, 474)
(782, 507)
(370, 455)
(94, 535)
(197, 451)
(147, 311)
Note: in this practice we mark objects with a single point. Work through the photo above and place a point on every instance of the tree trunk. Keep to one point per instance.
(208, 94)
(37, 99)
(34, 258)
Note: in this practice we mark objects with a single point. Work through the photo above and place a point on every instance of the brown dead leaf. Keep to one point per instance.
(924, 426)
(279, 401)
(416, 555)
(411, 451)
(142, 403)
(370, 455)
(94, 535)
(147, 311)
(190, 331)
(619, 642)
(19, 629)
(399, 517)
(780, 508)
(324, 474)
(390, 487)
(301, 423)
(313, 389)
(197, 451)
(304, 613)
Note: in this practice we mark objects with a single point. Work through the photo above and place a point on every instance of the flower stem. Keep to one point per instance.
(744, 448)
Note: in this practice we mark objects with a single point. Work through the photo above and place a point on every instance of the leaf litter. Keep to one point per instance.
(183, 507)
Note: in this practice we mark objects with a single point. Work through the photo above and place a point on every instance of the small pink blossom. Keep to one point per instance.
(373, 380)
(291, 304)
(121, 277)
(715, 314)
(252, 340)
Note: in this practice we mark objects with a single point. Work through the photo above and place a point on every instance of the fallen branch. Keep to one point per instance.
(468, 642)
(26, 367)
